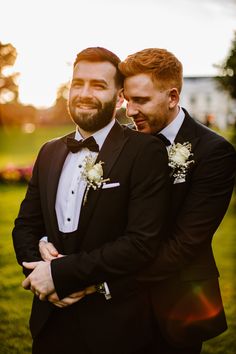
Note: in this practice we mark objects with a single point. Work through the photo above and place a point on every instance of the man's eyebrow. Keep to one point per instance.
(99, 81)
(93, 81)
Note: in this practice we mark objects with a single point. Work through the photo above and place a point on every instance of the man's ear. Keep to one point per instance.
(173, 98)
(120, 98)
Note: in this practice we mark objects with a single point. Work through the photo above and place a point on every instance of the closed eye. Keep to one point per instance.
(140, 100)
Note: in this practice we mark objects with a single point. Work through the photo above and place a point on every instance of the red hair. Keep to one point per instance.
(162, 65)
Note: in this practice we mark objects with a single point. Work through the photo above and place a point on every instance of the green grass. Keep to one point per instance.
(15, 302)
(224, 246)
(20, 148)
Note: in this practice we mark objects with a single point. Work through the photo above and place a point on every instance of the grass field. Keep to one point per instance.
(19, 148)
(15, 302)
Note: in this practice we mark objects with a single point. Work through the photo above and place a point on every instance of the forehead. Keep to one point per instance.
(87, 70)
(139, 85)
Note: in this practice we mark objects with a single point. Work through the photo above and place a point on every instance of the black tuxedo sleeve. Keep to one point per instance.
(29, 226)
(130, 251)
(201, 212)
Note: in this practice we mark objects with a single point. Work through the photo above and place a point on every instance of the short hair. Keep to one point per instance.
(99, 54)
(162, 65)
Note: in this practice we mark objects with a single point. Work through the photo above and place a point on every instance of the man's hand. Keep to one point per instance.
(71, 299)
(40, 281)
(48, 251)
(67, 301)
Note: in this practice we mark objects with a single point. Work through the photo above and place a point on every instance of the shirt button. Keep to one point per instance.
(72, 192)
(68, 219)
(80, 166)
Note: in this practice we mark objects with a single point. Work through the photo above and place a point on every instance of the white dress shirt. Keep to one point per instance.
(171, 130)
(71, 186)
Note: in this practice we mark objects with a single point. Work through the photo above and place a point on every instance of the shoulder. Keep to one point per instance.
(140, 138)
(144, 147)
(56, 142)
(207, 138)
(212, 141)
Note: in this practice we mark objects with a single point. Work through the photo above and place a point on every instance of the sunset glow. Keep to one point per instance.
(48, 34)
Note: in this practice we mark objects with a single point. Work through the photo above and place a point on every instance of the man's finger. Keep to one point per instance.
(26, 283)
(43, 297)
(52, 250)
(47, 250)
(58, 304)
(90, 290)
(78, 294)
(30, 265)
(53, 297)
(67, 301)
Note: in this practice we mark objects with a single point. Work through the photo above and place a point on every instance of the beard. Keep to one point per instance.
(92, 122)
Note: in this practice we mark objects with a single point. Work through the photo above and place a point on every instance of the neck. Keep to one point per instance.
(84, 133)
(173, 114)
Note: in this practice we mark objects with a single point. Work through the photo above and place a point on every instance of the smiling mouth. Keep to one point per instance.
(86, 107)
(139, 121)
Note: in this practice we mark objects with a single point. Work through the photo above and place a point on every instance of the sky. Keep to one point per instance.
(47, 34)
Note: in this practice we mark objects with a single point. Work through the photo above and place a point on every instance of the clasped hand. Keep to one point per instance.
(40, 281)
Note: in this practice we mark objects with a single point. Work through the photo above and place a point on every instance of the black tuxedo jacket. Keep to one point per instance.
(183, 279)
(118, 233)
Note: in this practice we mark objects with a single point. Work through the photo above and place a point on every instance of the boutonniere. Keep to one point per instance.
(92, 174)
(179, 155)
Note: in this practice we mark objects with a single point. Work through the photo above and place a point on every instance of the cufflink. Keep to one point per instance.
(100, 288)
(103, 289)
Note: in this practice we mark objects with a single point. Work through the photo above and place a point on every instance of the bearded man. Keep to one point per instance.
(100, 195)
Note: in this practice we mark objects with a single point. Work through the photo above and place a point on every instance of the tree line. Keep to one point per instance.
(14, 113)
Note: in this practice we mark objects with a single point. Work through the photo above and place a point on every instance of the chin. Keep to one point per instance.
(145, 130)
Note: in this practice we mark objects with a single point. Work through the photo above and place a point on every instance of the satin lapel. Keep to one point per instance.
(111, 148)
(109, 153)
(57, 162)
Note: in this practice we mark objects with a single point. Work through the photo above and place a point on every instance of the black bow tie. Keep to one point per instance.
(75, 145)
(163, 138)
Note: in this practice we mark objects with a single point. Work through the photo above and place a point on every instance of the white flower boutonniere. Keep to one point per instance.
(92, 174)
(179, 155)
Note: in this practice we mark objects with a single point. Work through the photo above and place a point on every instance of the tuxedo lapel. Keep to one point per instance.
(57, 161)
(111, 148)
(109, 153)
(187, 131)
(187, 134)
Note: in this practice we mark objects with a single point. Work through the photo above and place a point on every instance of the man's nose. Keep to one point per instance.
(131, 109)
(85, 91)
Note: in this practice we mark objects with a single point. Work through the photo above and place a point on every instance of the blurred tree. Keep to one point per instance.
(60, 112)
(227, 78)
(8, 86)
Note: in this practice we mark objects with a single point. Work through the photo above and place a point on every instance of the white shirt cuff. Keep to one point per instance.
(44, 238)
(107, 291)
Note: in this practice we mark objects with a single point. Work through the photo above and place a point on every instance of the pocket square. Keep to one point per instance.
(179, 180)
(110, 185)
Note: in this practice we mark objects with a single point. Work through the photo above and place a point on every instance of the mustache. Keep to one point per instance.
(88, 101)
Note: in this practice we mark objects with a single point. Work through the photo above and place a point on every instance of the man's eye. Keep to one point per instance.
(76, 84)
(99, 86)
(141, 100)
